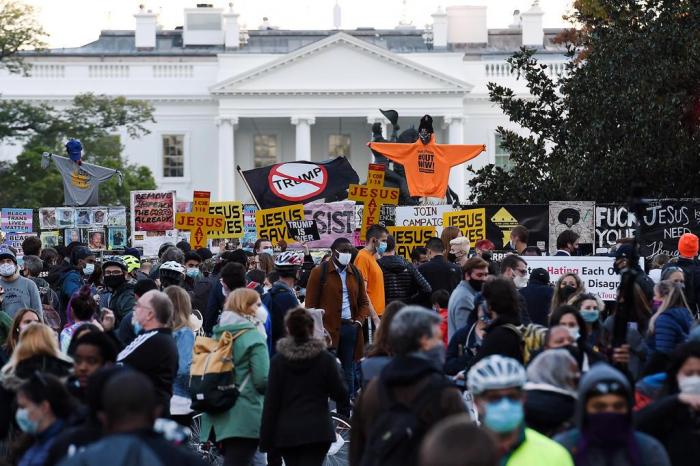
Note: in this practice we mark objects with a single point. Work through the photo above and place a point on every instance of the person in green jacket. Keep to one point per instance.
(497, 385)
(238, 429)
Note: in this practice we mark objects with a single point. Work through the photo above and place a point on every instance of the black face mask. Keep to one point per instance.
(114, 281)
(486, 256)
(451, 257)
(476, 284)
(567, 292)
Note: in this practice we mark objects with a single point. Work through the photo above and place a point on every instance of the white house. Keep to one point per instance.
(226, 97)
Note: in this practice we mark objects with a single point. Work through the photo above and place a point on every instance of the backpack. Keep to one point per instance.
(532, 338)
(397, 432)
(212, 387)
(51, 316)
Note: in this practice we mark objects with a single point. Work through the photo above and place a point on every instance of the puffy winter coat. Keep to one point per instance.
(402, 282)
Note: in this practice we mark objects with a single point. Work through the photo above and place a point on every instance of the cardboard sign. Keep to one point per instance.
(333, 219)
(373, 196)
(303, 230)
(250, 231)
(597, 273)
(575, 216)
(272, 223)
(200, 222)
(471, 222)
(17, 220)
(409, 238)
(233, 219)
(422, 216)
(152, 210)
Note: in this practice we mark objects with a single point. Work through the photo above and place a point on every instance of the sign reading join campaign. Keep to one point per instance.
(272, 223)
(200, 222)
(303, 230)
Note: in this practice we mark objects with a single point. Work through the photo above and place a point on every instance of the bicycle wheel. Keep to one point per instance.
(339, 453)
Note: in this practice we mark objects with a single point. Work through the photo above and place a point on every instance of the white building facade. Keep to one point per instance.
(224, 97)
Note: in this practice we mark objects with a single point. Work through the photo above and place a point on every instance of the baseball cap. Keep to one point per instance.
(6, 253)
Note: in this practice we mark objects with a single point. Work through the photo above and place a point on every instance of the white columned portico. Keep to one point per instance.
(303, 136)
(455, 135)
(227, 159)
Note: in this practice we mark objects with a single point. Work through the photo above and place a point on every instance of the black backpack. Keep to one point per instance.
(397, 432)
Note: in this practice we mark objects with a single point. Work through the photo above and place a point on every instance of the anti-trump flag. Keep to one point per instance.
(300, 182)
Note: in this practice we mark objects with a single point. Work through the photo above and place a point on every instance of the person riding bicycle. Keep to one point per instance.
(281, 298)
(497, 385)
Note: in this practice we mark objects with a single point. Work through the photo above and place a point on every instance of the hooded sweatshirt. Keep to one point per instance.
(647, 450)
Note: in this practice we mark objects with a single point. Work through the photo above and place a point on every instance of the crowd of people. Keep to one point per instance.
(449, 358)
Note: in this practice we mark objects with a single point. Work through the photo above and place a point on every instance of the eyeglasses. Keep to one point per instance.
(113, 273)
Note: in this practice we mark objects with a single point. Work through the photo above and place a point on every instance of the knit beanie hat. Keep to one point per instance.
(688, 245)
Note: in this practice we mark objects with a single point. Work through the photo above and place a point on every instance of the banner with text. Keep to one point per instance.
(409, 238)
(334, 220)
(233, 216)
(612, 223)
(272, 223)
(471, 222)
(664, 222)
(422, 216)
(17, 220)
(597, 273)
(152, 210)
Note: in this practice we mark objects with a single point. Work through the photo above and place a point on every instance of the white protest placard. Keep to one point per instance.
(422, 216)
(597, 273)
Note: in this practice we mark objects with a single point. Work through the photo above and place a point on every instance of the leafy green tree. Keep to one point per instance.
(43, 128)
(19, 30)
(627, 110)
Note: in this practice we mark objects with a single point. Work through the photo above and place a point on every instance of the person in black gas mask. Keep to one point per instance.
(115, 277)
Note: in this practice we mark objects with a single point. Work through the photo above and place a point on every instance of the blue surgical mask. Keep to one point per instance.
(590, 315)
(137, 326)
(269, 251)
(381, 247)
(503, 416)
(25, 424)
(193, 272)
(88, 269)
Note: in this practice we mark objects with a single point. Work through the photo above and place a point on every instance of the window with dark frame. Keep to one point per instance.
(173, 156)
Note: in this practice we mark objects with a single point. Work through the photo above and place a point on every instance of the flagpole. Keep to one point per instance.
(240, 172)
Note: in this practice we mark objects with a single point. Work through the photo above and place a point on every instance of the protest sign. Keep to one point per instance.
(387, 215)
(409, 238)
(96, 239)
(16, 239)
(575, 216)
(374, 195)
(272, 223)
(422, 216)
(471, 222)
(50, 239)
(17, 220)
(233, 219)
(665, 221)
(200, 222)
(47, 218)
(83, 217)
(116, 237)
(65, 217)
(334, 220)
(612, 223)
(117, 217)
(150, 241)
(250, 232)
(303, 230)
(152, 210)
(501, 219)
(597, 273)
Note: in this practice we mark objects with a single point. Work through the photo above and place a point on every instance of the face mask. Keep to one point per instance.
(476, 284)
(88, 269)
(266, 288)
(512, 244)
(437, 354)
(25, 424)
(574, 332)
(224, 291)
(193, 272)
(486, 256)
(590, 315)
(451, 257)
(137, 326)
(381, 247)
(269, 251)
(503, 416)
(7, 270)
(607, 429)
(344, 258)
(520, 282)
(114, 281)
(567, 291)
(689, 384)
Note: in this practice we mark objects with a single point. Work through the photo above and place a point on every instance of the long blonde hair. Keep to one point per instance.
(36, 340)
(13, 336)
(556, 298)
(182, 306)
(673, 297)
(241, 300)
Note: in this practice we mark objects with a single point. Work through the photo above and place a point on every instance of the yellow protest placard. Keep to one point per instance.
(409, 238)
(374, 195)
(471, 222)
(233, 219)
(272, 223)
(200, 222)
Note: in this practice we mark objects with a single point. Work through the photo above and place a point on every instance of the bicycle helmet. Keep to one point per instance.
(495, 373)
(114, 260)
(132, 263)
(288, 260)
(172, 266)
(171, 273)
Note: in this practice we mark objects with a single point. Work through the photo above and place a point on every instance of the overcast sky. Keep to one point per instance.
(71, 23)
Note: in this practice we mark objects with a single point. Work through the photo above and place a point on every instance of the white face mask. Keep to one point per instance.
(574, 332)
(520, 282)
(269, 251)
(88, 269)
(7, 270)
(689, 384)
(344, 258)
(512, 244)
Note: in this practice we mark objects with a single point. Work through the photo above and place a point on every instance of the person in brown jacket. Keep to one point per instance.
(337, 287)
(410, 396)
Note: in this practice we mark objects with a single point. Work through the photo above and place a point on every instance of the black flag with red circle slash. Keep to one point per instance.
(300, 182)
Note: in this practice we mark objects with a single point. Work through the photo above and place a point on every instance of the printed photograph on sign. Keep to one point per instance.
(116, 238)
(65, 217)
(71, 235)
(575, 216)
(96, 239)
(50, 239)
(117, 216)
(83, 217)
(47, 218)
(297, 182)
(99, 216)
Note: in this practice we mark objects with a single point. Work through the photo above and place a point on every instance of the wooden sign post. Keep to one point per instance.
(200, 222)
(373, 196)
